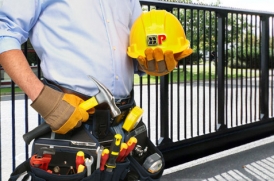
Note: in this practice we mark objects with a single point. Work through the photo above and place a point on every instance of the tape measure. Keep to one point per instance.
(133, 118)
(153, 163)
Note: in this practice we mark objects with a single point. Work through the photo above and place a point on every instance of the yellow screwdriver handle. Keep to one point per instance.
(88, 104)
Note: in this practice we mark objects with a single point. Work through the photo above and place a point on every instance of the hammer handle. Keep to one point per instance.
(38, 131)
(44, 127)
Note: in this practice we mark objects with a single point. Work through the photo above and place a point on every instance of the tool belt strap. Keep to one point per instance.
(82, 96)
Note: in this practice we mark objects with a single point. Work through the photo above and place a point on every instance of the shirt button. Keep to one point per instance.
(114, 48)
(116, 77)
(108, 21)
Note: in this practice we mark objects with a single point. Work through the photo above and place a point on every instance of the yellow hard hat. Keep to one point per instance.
(156, 28)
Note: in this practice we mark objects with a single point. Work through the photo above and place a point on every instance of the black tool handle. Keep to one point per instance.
(36, 132)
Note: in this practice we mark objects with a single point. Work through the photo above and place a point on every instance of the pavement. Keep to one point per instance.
(250, 162)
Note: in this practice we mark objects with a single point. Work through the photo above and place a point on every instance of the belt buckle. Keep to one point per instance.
(122, 101)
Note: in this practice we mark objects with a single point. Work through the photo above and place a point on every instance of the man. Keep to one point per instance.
(73, 39)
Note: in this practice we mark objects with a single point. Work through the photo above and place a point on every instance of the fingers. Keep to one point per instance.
(150, 59)
(181, 55)
(78, 124)
(84, 114)
(160, 65)
(170, 61)
(156, 62)
(146, 62)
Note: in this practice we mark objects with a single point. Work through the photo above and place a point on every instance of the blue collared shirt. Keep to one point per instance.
(74, 39)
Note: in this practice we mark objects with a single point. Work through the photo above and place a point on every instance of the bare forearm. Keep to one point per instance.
(17, 67)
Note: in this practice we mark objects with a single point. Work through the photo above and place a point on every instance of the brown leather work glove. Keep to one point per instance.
(60, 110)
(160, 63)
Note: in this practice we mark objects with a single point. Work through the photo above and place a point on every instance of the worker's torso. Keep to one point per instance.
(75, 39)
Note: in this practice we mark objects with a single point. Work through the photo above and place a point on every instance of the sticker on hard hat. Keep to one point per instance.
(154, 40)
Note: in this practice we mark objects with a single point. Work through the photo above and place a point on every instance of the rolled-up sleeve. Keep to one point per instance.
(16, 20)
(9, 43)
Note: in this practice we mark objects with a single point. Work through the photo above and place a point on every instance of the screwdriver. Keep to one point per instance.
(114, 152)
(131, 144)
(122, 153)
(80, 159)
(104, 158)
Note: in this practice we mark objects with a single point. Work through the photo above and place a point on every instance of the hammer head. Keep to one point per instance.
(105, 96)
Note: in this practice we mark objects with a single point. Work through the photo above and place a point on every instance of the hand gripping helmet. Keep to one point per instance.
(156, 28)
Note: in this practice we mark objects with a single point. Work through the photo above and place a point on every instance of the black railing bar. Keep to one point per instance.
(220, 72)
(209, 75)
(204, 74)
(216, 86)
(185, 89)
(26, 105)
(141, 90)
(241, 75)
(148, 103)
(252, 65)
(226, 69)
(178, 100)
(264, 68)
(171, 104)
(240, 85)
(231, 78)
(164, 107)
(178, 86)
(13, 123)
(250, 79)
(256, 57)
(272, 65)
(157, 109)
(204, 7)
(260, 72)
(237, 86)
(185, 101)
(198, 71)
(226, 78)
(246, 66)
(191, 74)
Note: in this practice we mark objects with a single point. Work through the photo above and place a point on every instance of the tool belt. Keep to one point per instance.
(55, 156)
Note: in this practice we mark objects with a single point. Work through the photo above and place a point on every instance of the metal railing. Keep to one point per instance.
(209, 103)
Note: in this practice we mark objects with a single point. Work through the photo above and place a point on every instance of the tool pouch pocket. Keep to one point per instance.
(138, 171)
(26, 172)
(118, 173)
(39, 173)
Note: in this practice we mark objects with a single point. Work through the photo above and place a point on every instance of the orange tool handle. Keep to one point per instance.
(80, 159)
(122, 153)
(104, 158)
(131, 145)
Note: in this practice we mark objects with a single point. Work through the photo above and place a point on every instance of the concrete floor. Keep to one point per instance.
(253, 161)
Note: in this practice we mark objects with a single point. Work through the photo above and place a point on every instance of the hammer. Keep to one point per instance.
(103, 96)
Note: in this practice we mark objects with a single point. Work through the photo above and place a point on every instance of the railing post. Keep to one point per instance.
(164, 108)
(220, 70)
(164, 111)
(264, 79)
